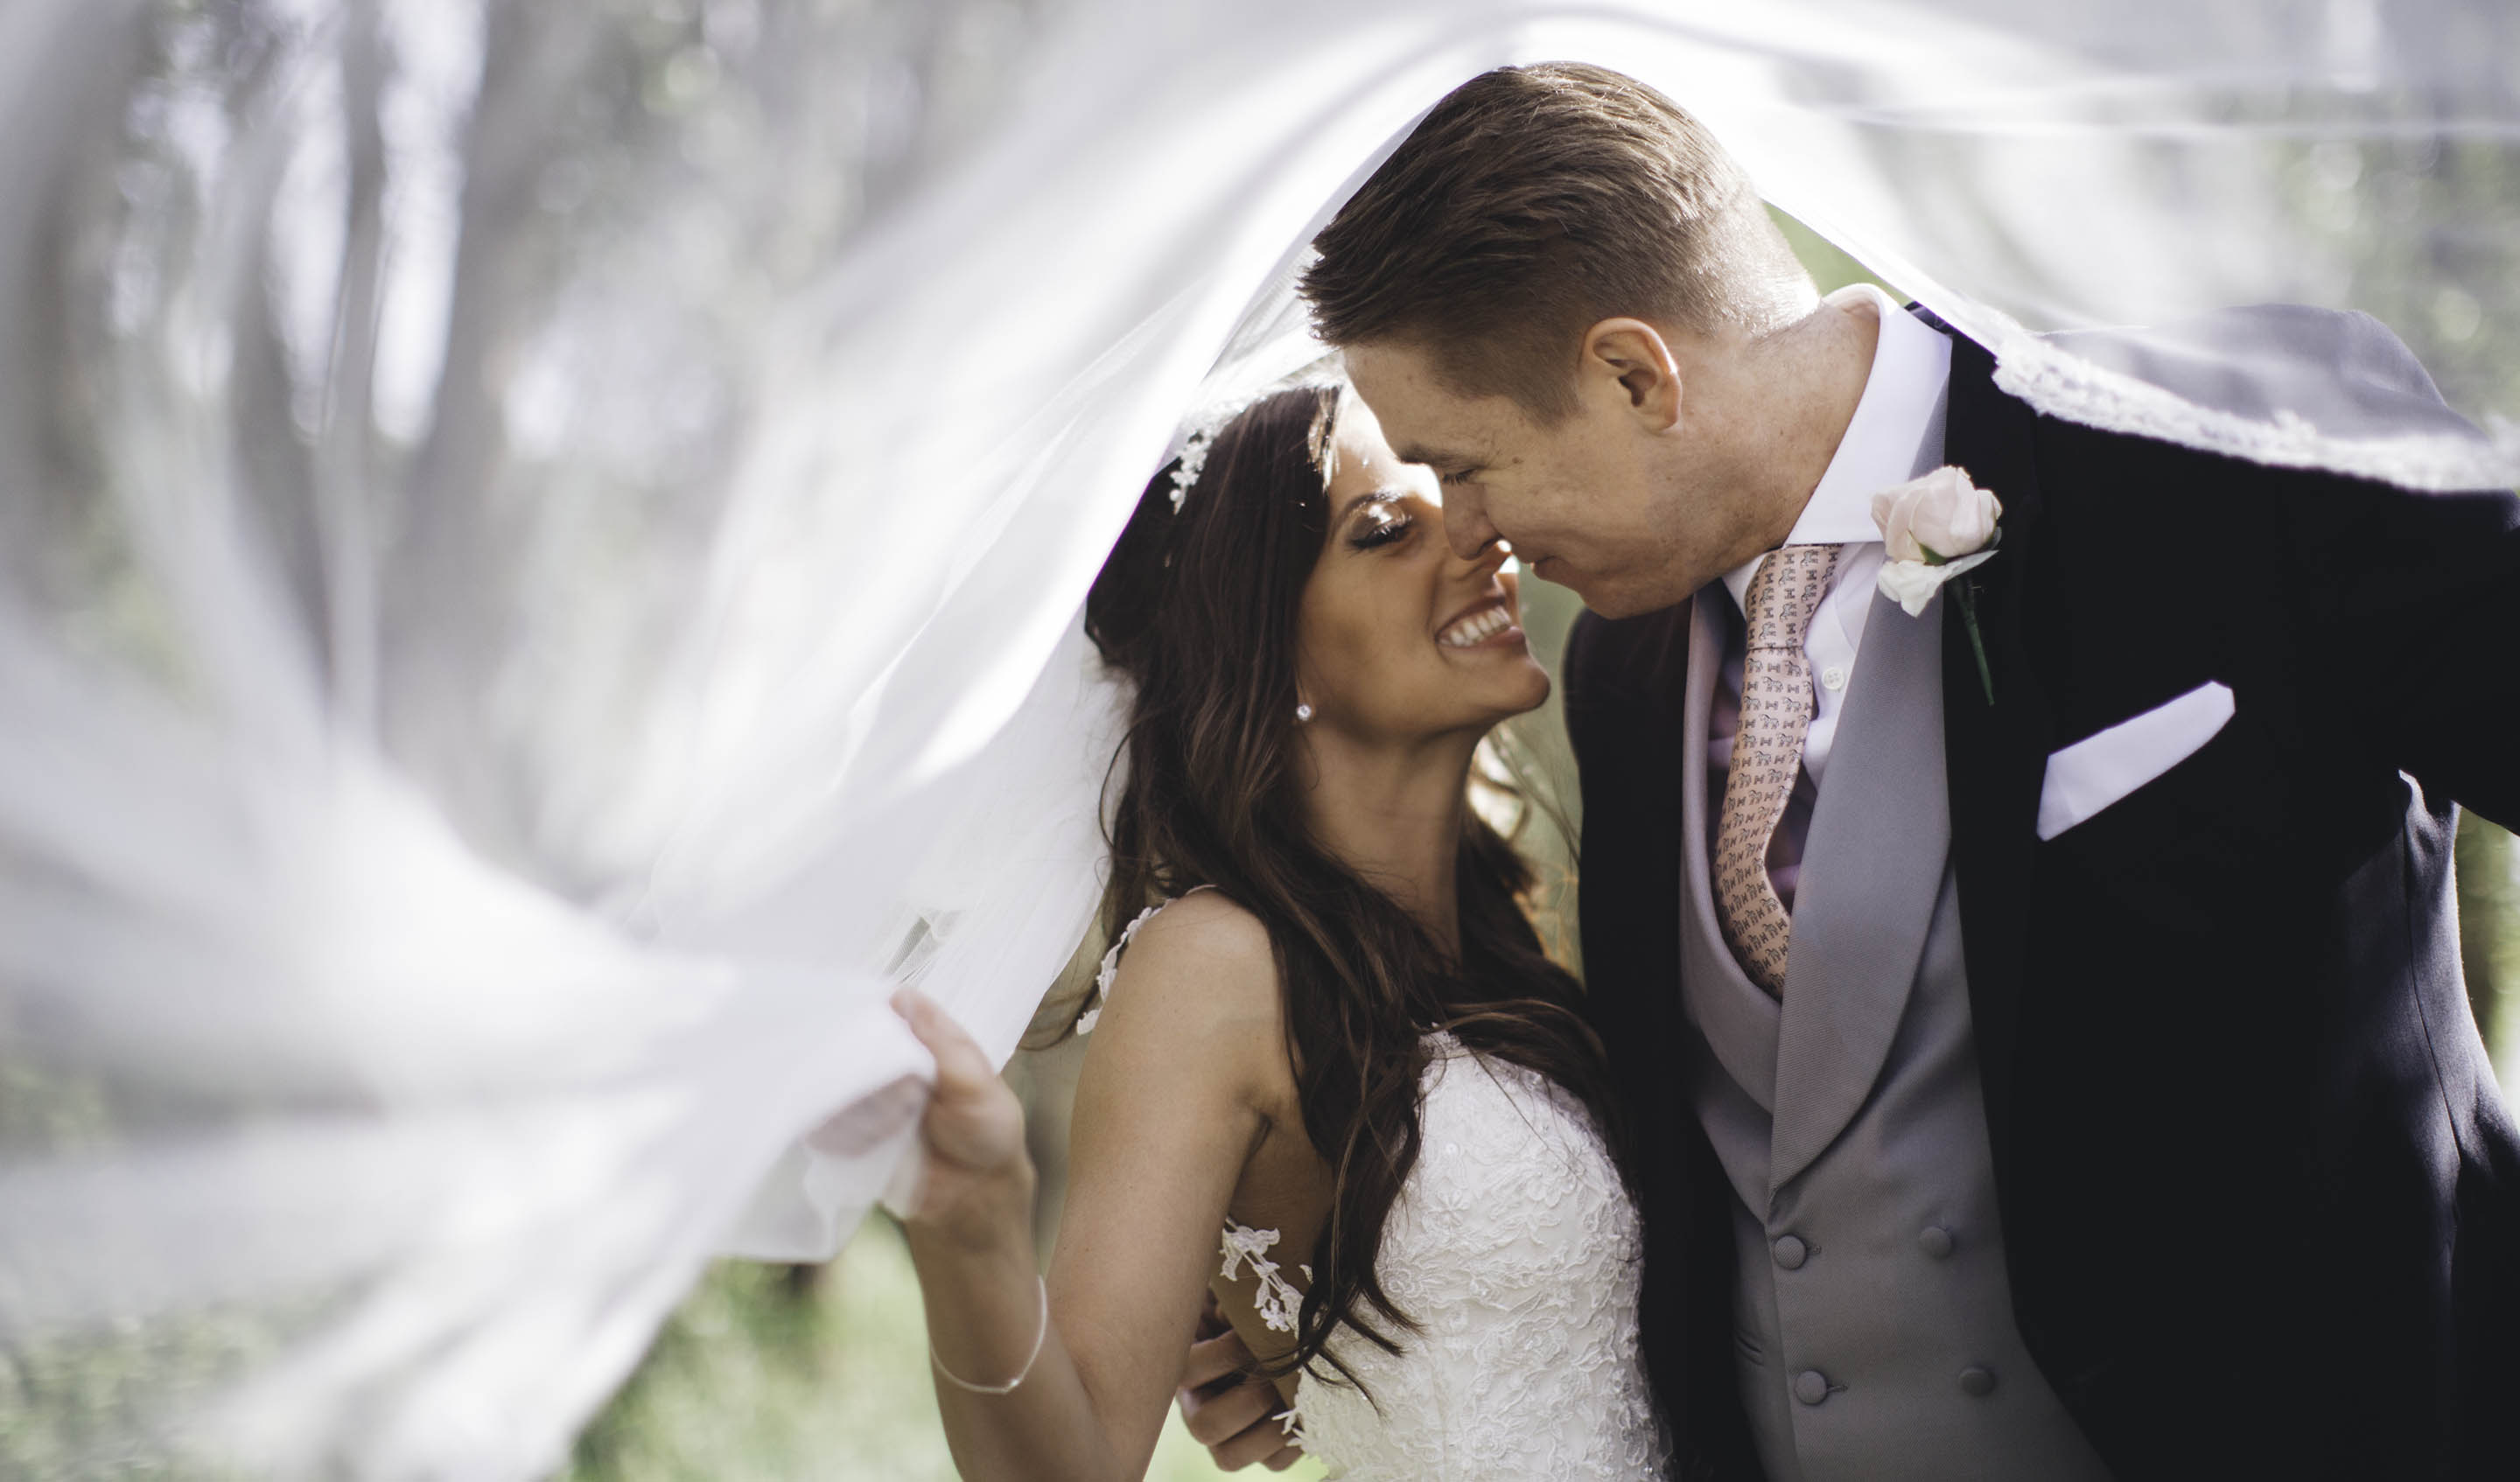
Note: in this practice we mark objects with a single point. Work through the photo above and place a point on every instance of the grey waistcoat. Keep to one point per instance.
(1874, 1322)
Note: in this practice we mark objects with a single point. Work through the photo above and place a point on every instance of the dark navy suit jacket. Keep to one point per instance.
(2260, 1197)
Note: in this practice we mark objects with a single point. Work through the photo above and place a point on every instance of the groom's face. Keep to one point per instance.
(1577, 499)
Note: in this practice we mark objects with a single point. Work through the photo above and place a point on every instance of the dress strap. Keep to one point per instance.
(1102, 980)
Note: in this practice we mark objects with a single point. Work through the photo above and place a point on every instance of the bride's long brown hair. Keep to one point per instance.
(1199, 610)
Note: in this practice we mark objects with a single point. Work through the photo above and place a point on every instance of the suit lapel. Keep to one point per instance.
(1872, 869)
(1997, 753)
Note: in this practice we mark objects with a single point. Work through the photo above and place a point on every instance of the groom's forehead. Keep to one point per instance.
(1425, 419)
(1398, 378)
(1447, 436)
(1455, 440)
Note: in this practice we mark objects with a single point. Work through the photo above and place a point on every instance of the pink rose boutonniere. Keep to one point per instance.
(1936, 528)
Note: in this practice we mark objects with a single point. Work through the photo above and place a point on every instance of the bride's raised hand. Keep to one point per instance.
(976, 1180)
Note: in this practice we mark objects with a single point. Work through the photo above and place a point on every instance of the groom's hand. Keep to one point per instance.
(1226, 1408)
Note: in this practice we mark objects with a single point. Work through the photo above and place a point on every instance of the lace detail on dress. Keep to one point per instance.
(1278, 1300)
(1514, 1248)
(1110, 968)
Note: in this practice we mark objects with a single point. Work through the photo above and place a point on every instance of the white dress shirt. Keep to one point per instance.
(1895, 436)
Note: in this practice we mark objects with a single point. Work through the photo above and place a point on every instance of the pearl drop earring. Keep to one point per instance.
(1303, 713)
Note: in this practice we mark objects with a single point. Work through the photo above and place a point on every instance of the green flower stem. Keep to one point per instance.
(1977, 642)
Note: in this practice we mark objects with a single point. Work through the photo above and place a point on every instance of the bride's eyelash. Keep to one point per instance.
(1382, 531)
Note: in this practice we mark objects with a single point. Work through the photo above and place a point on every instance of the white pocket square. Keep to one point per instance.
(2100, 768)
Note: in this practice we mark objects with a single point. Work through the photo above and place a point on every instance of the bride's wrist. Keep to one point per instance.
(989, 1217)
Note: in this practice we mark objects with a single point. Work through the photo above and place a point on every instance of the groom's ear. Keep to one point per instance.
(1628, 362)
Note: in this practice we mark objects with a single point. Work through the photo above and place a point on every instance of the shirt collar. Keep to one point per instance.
(1895, 436)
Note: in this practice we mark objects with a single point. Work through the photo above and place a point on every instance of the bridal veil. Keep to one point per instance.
(541, 550)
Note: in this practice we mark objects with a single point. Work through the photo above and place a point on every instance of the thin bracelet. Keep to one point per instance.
(1008, 1388)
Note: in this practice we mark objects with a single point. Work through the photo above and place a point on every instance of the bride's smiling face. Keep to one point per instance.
(1398, 639)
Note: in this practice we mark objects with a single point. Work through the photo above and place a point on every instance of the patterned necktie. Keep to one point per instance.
(1767, 755)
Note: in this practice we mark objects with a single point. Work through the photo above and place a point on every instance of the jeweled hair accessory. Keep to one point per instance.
(1194, 457)
(1222, 404)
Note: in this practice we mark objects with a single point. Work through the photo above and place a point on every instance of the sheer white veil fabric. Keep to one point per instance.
(531, 597)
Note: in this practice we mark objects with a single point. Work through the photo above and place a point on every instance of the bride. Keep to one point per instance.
(1327, 1045)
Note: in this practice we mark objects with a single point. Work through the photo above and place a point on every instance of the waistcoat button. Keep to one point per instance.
(1811, 1386)
(1935, 1242)
(1790, 1252)
(1976, 1381)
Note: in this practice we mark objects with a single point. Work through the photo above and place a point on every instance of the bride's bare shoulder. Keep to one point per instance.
(1198, 978)
(1210, 923)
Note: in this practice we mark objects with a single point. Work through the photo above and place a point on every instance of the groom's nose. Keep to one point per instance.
(1466, 521)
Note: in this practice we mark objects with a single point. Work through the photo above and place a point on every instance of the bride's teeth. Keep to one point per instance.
(1475, 629)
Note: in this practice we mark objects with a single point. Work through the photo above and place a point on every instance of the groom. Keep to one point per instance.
(2055, 1068)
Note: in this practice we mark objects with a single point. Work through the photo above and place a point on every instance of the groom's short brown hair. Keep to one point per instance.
(1530, 204)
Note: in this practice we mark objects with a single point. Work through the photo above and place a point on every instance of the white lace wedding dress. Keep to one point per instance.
(1516, 1249)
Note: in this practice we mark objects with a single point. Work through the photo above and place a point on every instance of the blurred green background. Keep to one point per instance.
(801, 1374)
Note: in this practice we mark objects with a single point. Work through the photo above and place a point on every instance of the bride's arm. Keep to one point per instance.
(1187, 1049)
